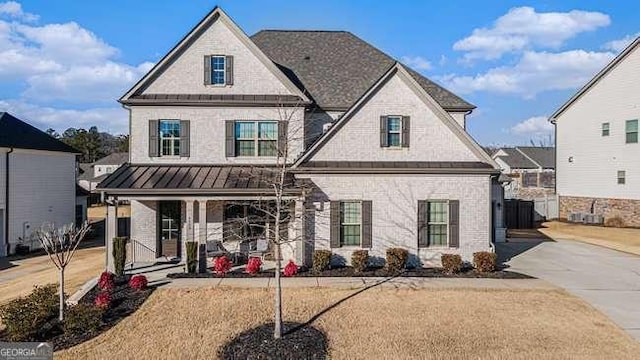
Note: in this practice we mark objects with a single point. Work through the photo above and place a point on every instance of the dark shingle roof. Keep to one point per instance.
(118, 158)
(18, 134)
(545, 156)
(336, 67)
(516, 160)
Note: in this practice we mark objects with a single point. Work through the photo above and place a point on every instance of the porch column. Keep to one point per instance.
(111, 231)
(300, 233)
(202, 238)
(188, 220)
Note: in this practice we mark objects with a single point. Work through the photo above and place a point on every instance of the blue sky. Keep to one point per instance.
(64, 63)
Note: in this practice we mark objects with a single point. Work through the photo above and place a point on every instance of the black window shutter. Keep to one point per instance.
(207, 70)
(334, 237)
(454, 223)
(384, 139)
(154, 148)
(366, 224)
(422, 224)
(406, 127)
(230, 138)
(229, 70)
(282, 137)
(185, 138)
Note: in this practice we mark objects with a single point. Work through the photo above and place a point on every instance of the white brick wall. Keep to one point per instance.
(186, 74)
(208, 132)
(42, 190)
(430, 138)
(394, 210)
(596, 159)
(143, 228)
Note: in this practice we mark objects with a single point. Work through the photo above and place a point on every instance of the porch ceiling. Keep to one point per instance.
(193, 179)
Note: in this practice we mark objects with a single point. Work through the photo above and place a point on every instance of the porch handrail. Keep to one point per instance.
(139, 247)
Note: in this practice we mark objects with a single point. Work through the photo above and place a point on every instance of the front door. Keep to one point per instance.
(170, 220)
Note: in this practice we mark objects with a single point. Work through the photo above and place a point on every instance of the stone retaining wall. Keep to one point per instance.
(628, 210)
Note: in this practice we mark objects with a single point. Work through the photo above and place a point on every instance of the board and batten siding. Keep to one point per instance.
(596, 158)
(42, 188)
(394, 200)
(207, 129)
(430, 138)
(185, 75)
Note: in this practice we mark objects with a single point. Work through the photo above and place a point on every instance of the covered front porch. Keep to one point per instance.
(174, 205)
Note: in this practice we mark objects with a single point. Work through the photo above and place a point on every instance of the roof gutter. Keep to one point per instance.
(6, 202)
(354, 171)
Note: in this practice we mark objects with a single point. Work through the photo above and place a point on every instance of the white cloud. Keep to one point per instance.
(620, 44)
(523, 28)
(534, 127)
(14, 10)
(112, 119)
(417, 62)
(534, 73)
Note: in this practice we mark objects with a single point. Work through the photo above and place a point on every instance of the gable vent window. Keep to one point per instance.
(218, 70)
(622, 175)
(631, 128)
(605, 129)
(394, 131)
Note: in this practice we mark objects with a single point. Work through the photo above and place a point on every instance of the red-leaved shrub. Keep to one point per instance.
(253, 265)
(138, 282)
(103, 300)
(221, 265)
(291, 269)
(106, 283)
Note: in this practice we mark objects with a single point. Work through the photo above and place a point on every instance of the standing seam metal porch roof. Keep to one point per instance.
(132, 178)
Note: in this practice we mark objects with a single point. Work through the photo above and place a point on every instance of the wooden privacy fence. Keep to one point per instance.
(523, 214)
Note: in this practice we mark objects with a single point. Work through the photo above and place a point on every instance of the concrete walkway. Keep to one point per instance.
(607, 279)
(355, 283)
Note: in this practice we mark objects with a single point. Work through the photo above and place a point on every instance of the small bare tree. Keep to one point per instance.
(61, 244)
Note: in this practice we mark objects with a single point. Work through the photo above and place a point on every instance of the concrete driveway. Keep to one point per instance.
(607, 279)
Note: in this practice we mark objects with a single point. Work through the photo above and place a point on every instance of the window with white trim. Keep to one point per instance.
(605, 129)
(350, 223)
(256, 138)
(394, 131)
(622, 177)
(437, 223)
(218, 70)
(169, 137)
(631, 129)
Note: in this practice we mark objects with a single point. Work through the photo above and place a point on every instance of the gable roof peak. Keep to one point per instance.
(15, 133)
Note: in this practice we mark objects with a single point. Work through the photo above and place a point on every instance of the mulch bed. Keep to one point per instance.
(347, 271)
(124, 302)
(299, 341)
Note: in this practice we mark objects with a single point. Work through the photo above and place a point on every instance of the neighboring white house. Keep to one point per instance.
(598, 166)
(37, 183)
(530, 168)
(382, 150)
(92, 174)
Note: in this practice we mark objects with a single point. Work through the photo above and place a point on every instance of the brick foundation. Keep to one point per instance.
(628, 210)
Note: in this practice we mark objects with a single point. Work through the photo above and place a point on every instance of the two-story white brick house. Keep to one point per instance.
(597, 141)
(382, 150)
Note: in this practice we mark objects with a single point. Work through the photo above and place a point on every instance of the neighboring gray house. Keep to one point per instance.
(531, 169)
(37, 183)
(382, 149)
(92, 174)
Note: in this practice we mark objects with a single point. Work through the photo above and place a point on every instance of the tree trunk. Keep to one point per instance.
(277, 331)
(61, 310)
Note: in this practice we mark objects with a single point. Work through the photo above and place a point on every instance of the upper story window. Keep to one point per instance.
(217, 70)
(622, 177)
(169, 137)
(394, 131)
(256, 138)
(605, 129)
(631, 129)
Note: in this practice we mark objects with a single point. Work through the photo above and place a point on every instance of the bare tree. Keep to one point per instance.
(61, 244)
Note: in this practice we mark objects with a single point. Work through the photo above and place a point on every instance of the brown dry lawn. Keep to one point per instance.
(622, 239)
(375, 324)
(100, 212)
(19, 279)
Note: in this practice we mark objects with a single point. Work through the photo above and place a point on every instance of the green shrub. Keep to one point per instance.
(192, 256)
(360, 260)
(484, 261)
(82, 318)
(23, 317)
(451, 263)
(119, 254)
(321, 260)
(397, 259)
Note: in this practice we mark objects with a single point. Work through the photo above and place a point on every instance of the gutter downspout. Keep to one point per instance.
(6, 202)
